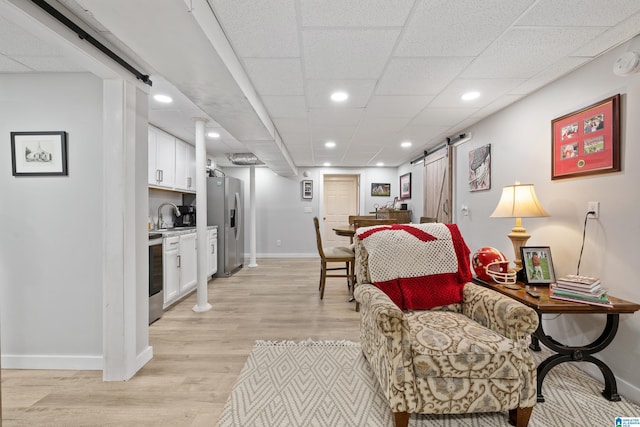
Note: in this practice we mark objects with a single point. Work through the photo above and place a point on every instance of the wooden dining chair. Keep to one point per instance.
(369, 222)
(334, 255)
(353, 218)
(425, 219)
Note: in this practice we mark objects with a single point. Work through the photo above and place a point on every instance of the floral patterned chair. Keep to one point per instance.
(437, 343)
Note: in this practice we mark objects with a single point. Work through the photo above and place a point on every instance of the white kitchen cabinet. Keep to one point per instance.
(188, 263)
(212, 255)
(171, 269)
(185, 166)
(162, 159)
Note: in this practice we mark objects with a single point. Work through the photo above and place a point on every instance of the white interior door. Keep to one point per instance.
(340, 201)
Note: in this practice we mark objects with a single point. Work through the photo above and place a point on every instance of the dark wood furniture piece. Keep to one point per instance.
(400, 216)
(334, 255)
(565, 353)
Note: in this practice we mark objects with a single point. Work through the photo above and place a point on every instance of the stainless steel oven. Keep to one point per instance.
(156, 295)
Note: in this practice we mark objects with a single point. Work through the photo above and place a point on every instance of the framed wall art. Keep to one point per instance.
(307, 189)
(587, 141)
(39, 153)
(380, 189)
(405, 186)
(537, 265)
(480, 168)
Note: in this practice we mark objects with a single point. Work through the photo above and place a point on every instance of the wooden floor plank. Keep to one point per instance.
(197, 356)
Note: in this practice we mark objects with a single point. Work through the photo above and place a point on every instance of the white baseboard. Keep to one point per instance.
(143, 358)
(79, 363)
(283, 255)
(627, 390)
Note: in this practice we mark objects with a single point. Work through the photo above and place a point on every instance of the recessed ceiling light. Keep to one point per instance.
(470, 96)
(165, 99)
(329, 144)
(339, 96)
(326, 164)
(379, 164)
(405, 144)
(213, 135)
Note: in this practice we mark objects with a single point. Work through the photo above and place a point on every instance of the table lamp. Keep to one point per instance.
(518, 201)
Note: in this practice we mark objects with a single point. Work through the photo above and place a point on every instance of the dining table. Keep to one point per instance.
(347, 230)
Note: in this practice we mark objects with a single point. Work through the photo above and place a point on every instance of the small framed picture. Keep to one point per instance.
(39, 153)
(380, 189)
(307, 189)
(537, 265)
(405, 186)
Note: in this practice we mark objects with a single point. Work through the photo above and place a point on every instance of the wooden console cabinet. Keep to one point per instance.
(401, 216)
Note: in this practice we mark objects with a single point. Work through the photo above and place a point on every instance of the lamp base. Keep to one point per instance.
(519, 237)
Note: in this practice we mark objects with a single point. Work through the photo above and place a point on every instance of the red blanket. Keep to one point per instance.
(420, 266)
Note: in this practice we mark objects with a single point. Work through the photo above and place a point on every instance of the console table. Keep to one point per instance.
(565, 353)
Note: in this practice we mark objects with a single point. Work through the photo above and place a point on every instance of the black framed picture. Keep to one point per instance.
(405, 186)
(380, 189)
(537, 265)
(39, 153)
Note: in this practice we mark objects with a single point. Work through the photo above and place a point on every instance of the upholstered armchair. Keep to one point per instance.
(466, 354)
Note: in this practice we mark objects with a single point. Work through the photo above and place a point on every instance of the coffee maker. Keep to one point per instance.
(187, 216)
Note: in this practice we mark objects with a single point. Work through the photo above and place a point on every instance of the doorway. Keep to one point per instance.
(341, 199)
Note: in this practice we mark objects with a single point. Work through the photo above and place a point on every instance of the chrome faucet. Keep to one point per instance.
(175, 208)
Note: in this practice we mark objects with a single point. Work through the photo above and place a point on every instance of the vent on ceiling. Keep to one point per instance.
(244, 159)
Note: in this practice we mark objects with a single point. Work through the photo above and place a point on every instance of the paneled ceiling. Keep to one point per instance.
(262, 71)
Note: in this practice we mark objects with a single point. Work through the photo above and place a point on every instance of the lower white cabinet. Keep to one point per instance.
(212, 255)
(180, 266)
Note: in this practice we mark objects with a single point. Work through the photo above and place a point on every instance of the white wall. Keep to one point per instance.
(280, 208)
(521, 150)
(51, 246)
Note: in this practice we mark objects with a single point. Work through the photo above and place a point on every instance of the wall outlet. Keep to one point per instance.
(594, 207)
(278, 242)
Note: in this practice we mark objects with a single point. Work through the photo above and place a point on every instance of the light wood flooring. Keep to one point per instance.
(197, 356)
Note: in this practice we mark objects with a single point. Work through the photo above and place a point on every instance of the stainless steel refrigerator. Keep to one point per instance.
(224, 209)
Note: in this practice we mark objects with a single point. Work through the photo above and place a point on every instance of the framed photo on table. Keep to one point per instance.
(405, 186)
(537, 265)
(587, 141)
(39, 153)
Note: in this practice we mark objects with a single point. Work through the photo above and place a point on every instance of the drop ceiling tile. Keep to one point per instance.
(614, 36)
(396, 106)
(350, 54)
(384, 124)
(554, 72)
(275, 76)
(340, 134)
(354, 13)
(286, 125)
(419, 76)
(457, 28)
(259, 29)
(443, 116)
(319, 92)
(489, 89)
(507, 59)
(285, 106)
(335, 116)
(582, 13)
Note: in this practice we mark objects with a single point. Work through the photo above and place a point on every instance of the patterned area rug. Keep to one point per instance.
(329, 383)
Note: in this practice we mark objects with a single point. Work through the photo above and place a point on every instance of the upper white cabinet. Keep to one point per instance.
(185, 166)
(171, 162)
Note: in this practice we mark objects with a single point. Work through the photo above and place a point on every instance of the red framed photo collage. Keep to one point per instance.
(587, 141)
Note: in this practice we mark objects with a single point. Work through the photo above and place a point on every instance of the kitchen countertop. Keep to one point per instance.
(176, 231)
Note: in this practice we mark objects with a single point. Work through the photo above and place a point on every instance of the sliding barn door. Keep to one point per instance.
(437, 185)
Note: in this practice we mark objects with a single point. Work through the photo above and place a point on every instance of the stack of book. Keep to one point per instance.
(582, 289)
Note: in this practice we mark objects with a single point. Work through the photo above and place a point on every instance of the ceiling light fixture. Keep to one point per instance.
(405, 144)
(326, 164)
(379, 164)
(329, 144)
(165, 99)
(470, 96)
(213, 135)
(339, 96)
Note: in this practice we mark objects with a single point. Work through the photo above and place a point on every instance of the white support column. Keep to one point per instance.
(252, 216)
(201, 217)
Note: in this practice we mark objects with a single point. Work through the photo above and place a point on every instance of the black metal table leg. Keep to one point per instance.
(567, 353)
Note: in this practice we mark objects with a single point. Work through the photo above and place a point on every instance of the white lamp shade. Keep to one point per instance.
(519, 201)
